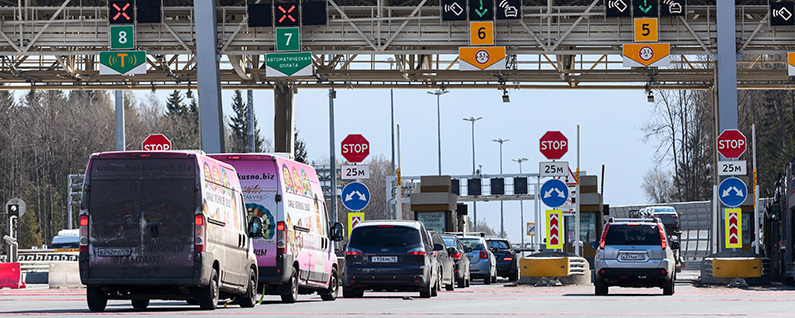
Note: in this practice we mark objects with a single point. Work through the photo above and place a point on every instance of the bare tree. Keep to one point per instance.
(658, 186)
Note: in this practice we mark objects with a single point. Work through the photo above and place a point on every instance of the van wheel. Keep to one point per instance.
(193, 302)
(600, 290)
(140, 303)
(293, 293)
(208, 295)
(668, 288)
(333, 287)
(249, 299)
(352, 293)
(96, 299)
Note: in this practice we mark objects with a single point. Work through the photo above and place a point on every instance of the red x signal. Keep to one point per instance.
(286, 14)
(117, 11)
(121, 12)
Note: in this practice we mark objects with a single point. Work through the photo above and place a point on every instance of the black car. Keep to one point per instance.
(390, 256)
(445, 259)
(507, 258)
(458, 253)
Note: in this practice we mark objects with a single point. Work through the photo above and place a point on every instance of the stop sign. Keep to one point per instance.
(355, 148)
(554, 145)
(731, 143)
(156, 142)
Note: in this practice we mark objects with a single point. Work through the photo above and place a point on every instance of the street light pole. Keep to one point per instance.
(474, 203)
(521, 202)
(502, 218)
(439, 92)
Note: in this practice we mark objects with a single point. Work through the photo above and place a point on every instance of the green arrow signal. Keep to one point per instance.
(481, 11)
(645, 7)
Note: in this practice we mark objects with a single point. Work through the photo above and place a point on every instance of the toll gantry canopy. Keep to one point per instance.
(56, 44)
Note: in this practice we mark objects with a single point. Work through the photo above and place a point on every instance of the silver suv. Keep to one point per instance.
(635, 253)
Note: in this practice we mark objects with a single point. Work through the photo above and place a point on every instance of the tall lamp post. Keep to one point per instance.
(439, 92)
(502, 218)
(474, 203)
(521, 202)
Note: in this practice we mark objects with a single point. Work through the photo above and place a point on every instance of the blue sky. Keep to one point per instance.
(610, 124)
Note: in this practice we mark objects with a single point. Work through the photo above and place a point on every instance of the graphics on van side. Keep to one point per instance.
(219, 201)
(295, 182)
(268, 222)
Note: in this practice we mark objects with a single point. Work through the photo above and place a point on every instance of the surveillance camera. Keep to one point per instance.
(650, 98)
(505, 98)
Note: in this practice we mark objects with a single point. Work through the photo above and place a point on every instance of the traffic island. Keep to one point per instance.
(554, 269)
(735, 269)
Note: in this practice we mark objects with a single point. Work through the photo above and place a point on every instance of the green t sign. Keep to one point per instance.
(287, 40)
(122, 62)
(122, 37)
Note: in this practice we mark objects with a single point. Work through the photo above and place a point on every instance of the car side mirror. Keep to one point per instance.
(675, 245)
(255, 227)
(438, 247)
(337, 232)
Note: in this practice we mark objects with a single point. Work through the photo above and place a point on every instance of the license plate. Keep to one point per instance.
(114, 252)
(633, 257)
(383, 259)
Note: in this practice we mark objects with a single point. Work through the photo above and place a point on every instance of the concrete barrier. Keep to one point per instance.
(64, 274)
(729, 267)
(11, 276)
(737, 267)
(563, 268)
(544, 267)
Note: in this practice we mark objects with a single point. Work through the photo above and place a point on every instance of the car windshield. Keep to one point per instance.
(448, 241)
(642, 234)
(374, 236)
(473, 243)
(670, 210)
(499, 245)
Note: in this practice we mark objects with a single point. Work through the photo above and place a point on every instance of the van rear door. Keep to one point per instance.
(141, 217)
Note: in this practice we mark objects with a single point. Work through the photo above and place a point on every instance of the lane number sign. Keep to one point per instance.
(122, 37)
(481, 33)
(288, 40)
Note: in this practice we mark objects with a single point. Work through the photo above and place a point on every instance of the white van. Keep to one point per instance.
(296, 252)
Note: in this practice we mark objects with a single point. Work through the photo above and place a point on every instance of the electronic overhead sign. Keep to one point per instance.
(481, 10)
(672, 8)
(313, 13)
(781, 13)
(259, 15)
(148, 11)
(286, 14)
(618, 8)
(120, 11)
(509, 9)
(454, 10)
(645, 8)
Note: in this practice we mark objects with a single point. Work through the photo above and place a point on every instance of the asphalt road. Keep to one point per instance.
(501, 299)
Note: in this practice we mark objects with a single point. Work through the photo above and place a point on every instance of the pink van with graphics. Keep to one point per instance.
(296, 250)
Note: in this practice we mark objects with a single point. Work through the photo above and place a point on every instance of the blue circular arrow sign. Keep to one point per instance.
(732, 192)
(554, 193)
(355, 196)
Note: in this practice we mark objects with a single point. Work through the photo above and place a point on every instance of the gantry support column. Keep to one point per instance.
(210, 108)
(283, 120)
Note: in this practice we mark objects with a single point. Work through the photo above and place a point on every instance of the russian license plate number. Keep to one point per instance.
(383, 259)
(632, 257)
(114, 252)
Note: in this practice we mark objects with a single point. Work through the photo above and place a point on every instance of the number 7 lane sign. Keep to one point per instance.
(288, 40)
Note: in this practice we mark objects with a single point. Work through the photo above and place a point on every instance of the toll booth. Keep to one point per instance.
(435, 204)
(591, 218)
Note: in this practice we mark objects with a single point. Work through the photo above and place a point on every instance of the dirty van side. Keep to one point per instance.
(165, 225)
(296, 252)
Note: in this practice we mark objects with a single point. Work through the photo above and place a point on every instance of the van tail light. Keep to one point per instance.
(416, 251)
(200, 232)
(604, 236)
(663, 241)
(456, 255)
(484, 254)
(353, 251)
(83, 239)
(281, 238)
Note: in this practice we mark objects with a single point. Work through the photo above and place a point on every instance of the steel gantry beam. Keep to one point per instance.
(55, 44)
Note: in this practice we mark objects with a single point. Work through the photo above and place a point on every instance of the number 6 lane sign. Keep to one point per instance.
(481, 33)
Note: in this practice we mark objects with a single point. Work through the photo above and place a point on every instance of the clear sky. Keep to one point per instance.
(610, 123)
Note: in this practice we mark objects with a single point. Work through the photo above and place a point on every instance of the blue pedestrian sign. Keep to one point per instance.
(355, 196)
(554, 193)
(732, 192)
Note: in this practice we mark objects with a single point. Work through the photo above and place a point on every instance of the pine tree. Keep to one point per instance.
(238, 124)
(299, 150)
(175, 105)
(29, 234)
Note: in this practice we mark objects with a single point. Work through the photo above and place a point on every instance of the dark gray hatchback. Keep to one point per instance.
(390, 256)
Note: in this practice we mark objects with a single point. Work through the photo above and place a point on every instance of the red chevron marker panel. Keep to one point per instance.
(554, 229)
(734, 234)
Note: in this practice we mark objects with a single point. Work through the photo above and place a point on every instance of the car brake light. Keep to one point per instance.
(385, 226)
(281, 244)
(83, 239)
(674, 216)
(199, 233)
(604, 236)
(145, 155)
(663, 242)
(233, 157)
(484, 254)
(456, 255)
(353, 251)
(416, 251)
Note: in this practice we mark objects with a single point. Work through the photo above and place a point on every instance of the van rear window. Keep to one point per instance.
(642, 234)
(373, 236)
(156, 167)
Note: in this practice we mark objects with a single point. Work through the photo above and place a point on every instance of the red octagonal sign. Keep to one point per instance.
(554, 145)
(355, 148)
(156, 142)
(731, 143)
